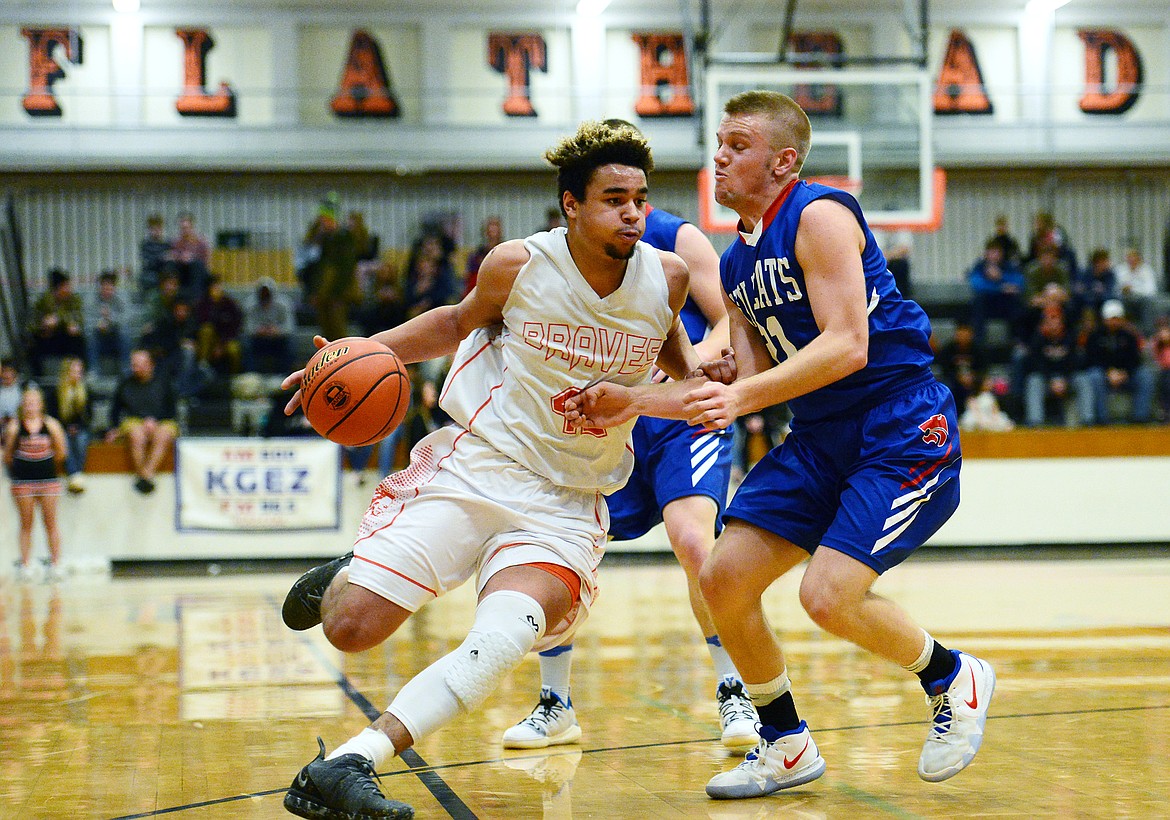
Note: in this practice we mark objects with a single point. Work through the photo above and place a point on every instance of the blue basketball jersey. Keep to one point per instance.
(661, 232)
(762, 276)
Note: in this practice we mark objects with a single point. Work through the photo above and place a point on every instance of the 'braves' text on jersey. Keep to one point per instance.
(508, 384)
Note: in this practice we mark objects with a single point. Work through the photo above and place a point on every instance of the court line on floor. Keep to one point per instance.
(426, 769)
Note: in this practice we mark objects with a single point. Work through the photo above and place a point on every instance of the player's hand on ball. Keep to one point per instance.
(712, 405)
(605, 404)
(294, 380)
(721, 370)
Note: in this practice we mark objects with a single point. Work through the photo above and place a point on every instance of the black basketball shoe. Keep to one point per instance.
(302, 605)
(341, 789)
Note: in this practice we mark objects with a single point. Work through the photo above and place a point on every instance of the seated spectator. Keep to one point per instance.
(997, 291)
(1160, 352)
(1046, 232)
(983, 411)
(172, 344)
(269, 323)
(1009, 246)
(492, 231)
(107, 325)
(10, 390)
(154, 254)
(382, 308)
(960, 361)
(1113, 364)
(143, 413)
(159, 303)
(220, 320)
(429, 282)
(1096, 283)
(191, 257)
(1052, 360)
(57, 326)
(1138, 287)
(1045, 270)
(70, 404)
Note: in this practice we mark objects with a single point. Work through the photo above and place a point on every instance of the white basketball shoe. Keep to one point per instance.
(737, 716)
(778, 762)
(551, 723)
(958, 713)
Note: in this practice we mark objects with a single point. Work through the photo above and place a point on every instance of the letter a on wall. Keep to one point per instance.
(44, 70)
(365, 86)
(514, 56)
(960, 88)
(665, 84)
(195, 101)
(1099, 43)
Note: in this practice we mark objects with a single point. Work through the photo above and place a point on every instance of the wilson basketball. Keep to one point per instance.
(355, 391)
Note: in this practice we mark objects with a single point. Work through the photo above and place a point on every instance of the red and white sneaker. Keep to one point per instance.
(958, 713)
(778, 762)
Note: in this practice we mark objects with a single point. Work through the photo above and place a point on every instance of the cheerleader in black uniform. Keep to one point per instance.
(34, 448)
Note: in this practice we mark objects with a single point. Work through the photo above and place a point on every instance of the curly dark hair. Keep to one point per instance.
(596, 144)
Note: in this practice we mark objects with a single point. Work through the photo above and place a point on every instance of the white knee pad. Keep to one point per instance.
(507, 624)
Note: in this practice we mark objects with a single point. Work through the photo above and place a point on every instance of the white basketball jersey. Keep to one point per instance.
(508, 383)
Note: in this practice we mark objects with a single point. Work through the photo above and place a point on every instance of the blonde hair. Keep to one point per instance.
(596, 144)
(71, 397)
(790, 127)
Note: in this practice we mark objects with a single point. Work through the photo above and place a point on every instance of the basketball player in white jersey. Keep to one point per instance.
(512, 493)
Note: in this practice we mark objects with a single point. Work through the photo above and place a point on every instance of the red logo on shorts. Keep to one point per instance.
(935, 430)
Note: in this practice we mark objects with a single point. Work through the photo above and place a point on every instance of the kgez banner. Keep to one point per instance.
(257, 484)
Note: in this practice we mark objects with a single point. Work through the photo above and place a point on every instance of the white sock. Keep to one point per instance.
(924, 658)
(723, 665)
(764, 693)
(555, 666)
(371, 744)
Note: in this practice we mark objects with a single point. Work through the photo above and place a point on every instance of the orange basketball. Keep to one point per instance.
(355, 391)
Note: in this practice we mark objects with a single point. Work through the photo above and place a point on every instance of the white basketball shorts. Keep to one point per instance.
(463, 507)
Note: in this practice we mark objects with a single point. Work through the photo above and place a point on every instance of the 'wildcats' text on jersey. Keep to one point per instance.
(762, 276)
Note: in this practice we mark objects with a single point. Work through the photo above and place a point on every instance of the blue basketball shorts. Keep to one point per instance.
(672, 460)
(874, 485)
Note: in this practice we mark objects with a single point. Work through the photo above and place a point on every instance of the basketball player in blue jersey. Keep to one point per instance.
(869, 471)
(681, 477)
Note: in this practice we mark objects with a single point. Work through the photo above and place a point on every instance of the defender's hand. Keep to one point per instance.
(605, 404)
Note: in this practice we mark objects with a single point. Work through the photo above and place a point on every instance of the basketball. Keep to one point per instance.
(355, 391)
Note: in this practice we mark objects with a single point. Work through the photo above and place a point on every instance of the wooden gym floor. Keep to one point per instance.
(185, 697)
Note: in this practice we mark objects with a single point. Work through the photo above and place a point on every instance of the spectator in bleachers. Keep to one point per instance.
(220, 321)
(107, 325)
(1009, 246)
(1138, 287)
(997, 291)
(1160, 353)
(191, 256)
(1046, 269)
(57, 326)
(429, 282)
(10, 390)
(160, 302)
(154, 254)
(961, 363)
(553, 218)
(1096, 283)
(1052, 297)
(70, 404)
(269, 324)
(172, 344)
(983, 411)
(1052, 360)
(492, 232)
(143, 412)
(328, 270)
(1046, 232)
(1113, 364)
(382, 307)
